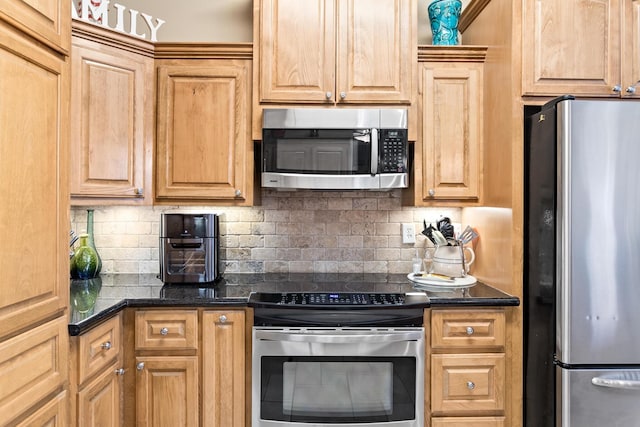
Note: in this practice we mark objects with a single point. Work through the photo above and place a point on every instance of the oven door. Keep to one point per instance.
(339, 377)
(188, 260)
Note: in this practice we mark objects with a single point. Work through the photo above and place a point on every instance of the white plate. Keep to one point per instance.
(457, 283)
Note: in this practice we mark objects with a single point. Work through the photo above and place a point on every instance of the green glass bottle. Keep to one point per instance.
(85, 260)
(91, 238)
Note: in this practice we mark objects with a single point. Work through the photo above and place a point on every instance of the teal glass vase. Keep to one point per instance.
(84, 264)
(443, 17)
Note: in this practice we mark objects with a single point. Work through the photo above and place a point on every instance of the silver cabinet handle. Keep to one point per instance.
(138, 191)
(470, 330)
(432, 192)
(617, 89)
(120, 371)
(164, 331)
(343, 95)
(106, 345)
(140, 366)
(328, 95)
(222, 318)
(631, 90)
(470, 385)
(238, 193)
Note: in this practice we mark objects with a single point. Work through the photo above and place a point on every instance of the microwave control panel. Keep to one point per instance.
(393, 149)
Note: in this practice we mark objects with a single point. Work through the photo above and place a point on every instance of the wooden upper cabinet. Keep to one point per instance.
(204, 146)
(47, 21)
(601, 59)
(112, 120)
(336, 51)
(34, 139)
(448, 166)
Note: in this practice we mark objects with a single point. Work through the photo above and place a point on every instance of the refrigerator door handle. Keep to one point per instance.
(628, 381)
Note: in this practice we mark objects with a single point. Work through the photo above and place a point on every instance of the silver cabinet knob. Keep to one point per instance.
(470, 385)
(470, 330)
(164, 331)
(631, 90)
(140, 366)
(617, 89)
(343, 95)
(106, 345)
(328, 95)
(138, 191)
(238, 193)
(120, 371)
(432, 192)
(223, 318)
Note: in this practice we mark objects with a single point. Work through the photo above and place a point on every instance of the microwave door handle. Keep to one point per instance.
(374, 151)
(338, 338)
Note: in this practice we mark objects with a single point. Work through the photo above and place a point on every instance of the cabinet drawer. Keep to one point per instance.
(34, 365)
(167, 329)
(468, 421)
(462, 384)
(455, 329)
(98, 347)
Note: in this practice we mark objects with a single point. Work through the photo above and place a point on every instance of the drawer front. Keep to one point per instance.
(51, 414)
(462, 384)
(33, 365)
(468, 329)
(167, 329)
(99, 347)
(468, 421)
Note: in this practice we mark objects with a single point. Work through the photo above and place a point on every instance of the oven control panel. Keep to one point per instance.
(334, 298)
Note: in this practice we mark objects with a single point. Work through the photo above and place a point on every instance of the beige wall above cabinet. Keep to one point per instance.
(204, 146)
(601, 59)
(333, 52)
(448, 153)
(112, 118)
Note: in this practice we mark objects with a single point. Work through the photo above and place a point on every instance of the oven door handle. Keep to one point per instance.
(344, 338)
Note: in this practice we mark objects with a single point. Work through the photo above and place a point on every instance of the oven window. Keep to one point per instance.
(186, 261)
(317, 151)
(338, 389)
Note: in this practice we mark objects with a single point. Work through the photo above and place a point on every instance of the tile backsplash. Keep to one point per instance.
(303, 231)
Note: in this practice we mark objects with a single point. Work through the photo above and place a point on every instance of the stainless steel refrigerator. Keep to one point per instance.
(582, 264)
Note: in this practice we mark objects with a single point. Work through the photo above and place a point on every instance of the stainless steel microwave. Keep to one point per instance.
(335, 149)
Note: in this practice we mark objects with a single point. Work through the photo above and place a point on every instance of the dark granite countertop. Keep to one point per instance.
(93, 301)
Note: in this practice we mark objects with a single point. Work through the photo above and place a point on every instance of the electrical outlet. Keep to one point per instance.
(408, 233)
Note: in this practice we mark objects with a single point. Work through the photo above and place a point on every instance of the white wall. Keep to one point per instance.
(223, 20)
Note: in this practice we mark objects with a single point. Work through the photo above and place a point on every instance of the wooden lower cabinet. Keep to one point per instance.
(52, 414)
(223, 362)
(96, 376)
(167, 391)
(468, 367)
(99, 401)
(468, 422)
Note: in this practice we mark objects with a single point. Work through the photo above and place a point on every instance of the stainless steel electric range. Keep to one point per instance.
(338, 359)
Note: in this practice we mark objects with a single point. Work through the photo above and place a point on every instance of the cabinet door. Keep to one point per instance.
(48, 21)
(205, 151)
(51, 414)
(377, 50)
(558, 59)
(631, 50)
(468, 384)
(34, 223)
(99, 400)
(297, 51)
(451, 131)
(167, 391)
(112, 132)
(223, 364)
